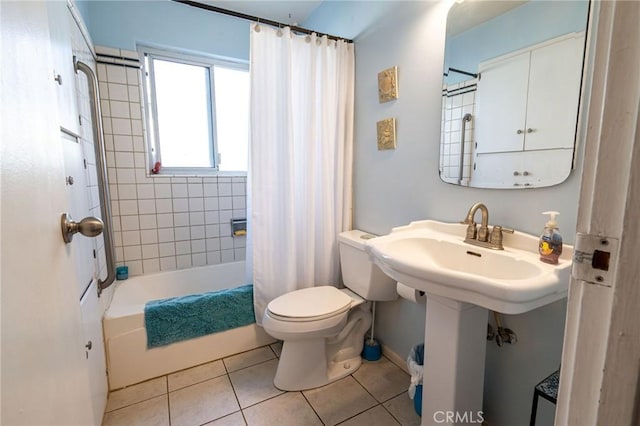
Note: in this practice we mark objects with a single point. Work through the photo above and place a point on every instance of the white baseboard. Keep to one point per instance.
(398, 360)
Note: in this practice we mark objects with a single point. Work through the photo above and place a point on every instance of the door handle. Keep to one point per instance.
(89, 227)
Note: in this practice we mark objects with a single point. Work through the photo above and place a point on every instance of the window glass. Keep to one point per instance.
(197, 112)
(232, 117)
(183, 113)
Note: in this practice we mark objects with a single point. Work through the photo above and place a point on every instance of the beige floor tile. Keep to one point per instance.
(401, 407)
(249, 358)
(136, 393)
(195, 375)
(383, 379)
(376, 416)
(152, 412)
(203, 402)
(339, 400)
(235, 419)
(277, 348)
(288, 409)
(255, 384)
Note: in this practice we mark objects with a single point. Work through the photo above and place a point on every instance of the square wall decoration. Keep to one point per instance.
(388, 85)
(387, 134)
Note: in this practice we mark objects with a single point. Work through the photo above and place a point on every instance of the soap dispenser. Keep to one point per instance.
(550, 247)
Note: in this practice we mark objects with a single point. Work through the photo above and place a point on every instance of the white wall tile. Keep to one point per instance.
(138, 144)
(212, 231)
(135, 267)
(181, 219)
(146, 192)
(148, 221)
(182, 233)
(119, 109)
(184, 261)
(121, 126)
(211, 203)
(130, 238)
(150, 266)
(195, 189)
(165, 220)
(224, 189)
(136, 127)
(163, 190)
(210, 189)
(167, 263)
(116, 74)
(122, 143)
(213, 244)
(149, 236)
(167, 249)
(198, 246)
(118, 92)
(128, 207)
(133, 76)
(164, 205)
(150, 251)
(180, 205)
(239, 254)
(125, 192)
(147, 207)
(227, 256)
(213, 257)
(134, 93)
(179, 190)
(226, 243)
(124, 159)
(132, 253)
(197, 232)
(211, 217)
(183, 247)
(225, 203)
(196, 204)
(130, 223)
(166, 235)
(196, 218)
(199, 259)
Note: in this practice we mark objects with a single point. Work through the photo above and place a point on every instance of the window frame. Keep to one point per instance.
(154, 153)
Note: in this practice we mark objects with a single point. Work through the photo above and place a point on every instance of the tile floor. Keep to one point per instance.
(239, 390)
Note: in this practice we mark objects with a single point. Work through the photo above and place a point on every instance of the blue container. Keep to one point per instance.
(371, 351)
(417, 400)
(122, 272)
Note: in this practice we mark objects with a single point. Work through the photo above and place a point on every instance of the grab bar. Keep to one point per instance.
(466, 118)
(103, 183)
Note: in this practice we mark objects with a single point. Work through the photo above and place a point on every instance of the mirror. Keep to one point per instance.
(511, 92)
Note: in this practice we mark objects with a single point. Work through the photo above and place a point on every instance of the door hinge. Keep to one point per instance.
(594, 259)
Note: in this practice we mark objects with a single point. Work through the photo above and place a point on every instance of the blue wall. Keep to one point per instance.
(529, 24)
(121, 24)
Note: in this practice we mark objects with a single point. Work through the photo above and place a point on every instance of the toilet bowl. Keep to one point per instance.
(323, 328)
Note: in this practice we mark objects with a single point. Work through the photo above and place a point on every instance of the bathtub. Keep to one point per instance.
(128, 359)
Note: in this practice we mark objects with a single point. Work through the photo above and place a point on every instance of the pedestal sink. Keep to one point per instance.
(462, 282)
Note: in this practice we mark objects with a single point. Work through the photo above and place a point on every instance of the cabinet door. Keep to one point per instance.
(501, 104)
(59, 20)
(554, 93)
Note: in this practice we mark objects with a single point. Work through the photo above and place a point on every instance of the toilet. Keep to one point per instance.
(323, 328)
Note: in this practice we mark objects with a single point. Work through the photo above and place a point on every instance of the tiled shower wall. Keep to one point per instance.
(160, 222)
(457, 100)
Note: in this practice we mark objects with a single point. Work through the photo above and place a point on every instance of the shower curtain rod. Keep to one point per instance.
(257, 19)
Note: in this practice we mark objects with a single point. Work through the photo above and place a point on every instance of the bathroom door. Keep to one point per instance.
(44, 376)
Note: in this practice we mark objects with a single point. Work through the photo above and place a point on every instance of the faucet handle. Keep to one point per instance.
(471, 231)
(496, 234)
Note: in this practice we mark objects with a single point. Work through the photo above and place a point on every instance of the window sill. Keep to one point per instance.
(195, 174)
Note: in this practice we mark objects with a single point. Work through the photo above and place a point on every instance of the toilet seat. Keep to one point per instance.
(310, 304)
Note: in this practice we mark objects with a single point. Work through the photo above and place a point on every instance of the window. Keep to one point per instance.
(197, 111)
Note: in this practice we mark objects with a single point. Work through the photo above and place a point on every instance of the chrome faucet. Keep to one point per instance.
(481, 236)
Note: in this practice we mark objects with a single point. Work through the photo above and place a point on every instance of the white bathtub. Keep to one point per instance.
(128, 359)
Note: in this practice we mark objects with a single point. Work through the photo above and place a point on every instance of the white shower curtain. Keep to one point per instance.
(301, 149)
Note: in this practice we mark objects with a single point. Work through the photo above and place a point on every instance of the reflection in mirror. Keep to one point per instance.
(511, 92)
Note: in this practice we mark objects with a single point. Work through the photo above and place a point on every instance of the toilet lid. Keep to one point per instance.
(310, 302)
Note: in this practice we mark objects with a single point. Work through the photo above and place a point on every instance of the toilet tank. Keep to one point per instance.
(359, 273)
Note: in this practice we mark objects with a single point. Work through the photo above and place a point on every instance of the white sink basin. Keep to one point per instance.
(432, 256)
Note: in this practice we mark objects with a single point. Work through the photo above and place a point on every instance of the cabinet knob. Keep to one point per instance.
(516, 173)
(58, 78)
(525, 173)
(519, 131)
(529, 130)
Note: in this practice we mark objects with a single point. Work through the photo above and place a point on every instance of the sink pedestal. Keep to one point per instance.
(455, 348)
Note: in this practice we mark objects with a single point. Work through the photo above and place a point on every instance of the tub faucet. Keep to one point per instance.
(480, 236)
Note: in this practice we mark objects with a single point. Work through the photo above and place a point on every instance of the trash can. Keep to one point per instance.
(415, 362)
